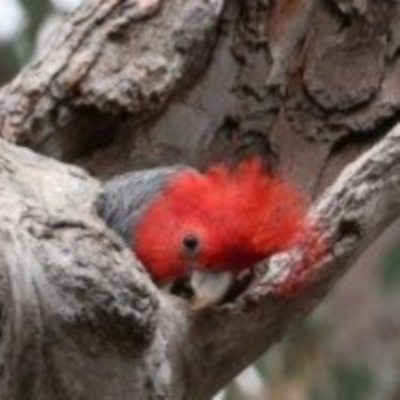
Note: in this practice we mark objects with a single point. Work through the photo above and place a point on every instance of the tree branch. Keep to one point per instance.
(71, 291)
(72, 298)
(352, 213)
(110, 59)
(81, 319)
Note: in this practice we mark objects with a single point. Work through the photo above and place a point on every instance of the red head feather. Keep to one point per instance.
(224, 219)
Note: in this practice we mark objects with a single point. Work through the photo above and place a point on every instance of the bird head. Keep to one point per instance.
(209, 227)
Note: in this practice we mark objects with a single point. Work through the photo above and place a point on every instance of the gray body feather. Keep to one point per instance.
(124, 198)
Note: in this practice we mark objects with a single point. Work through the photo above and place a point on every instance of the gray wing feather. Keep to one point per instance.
(124, 198)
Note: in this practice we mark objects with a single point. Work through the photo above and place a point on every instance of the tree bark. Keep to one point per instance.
(312, 86)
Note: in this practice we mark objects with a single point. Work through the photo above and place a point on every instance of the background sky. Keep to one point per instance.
(13, 17)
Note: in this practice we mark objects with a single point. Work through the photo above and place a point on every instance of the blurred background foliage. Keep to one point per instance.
(348, 350)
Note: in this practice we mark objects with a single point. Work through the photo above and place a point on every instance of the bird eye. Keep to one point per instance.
(191, 243)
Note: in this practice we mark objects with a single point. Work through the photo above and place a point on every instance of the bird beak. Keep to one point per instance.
(209, 288)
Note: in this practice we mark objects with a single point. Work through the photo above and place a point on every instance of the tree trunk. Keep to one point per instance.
(310, 85)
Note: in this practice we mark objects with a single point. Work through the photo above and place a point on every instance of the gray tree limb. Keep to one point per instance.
(76, 308)
(80, 317)
(362, 202)
(110, 59)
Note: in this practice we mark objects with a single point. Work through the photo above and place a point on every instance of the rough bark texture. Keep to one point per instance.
(312, 85)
